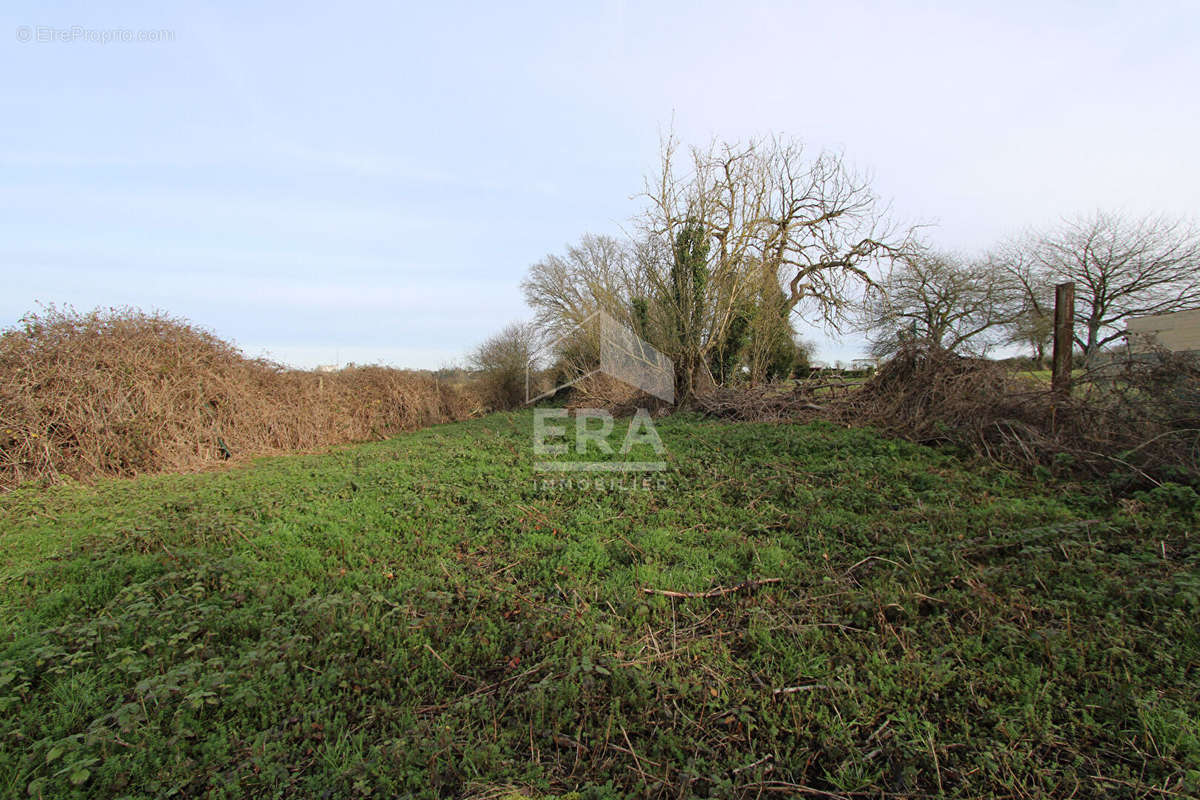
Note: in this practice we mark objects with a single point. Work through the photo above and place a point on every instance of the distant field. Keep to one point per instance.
(418, 617)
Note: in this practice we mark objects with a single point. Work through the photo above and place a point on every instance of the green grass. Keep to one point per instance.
(421, 617)
(1045, 375)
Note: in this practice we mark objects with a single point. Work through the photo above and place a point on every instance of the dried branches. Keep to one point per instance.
(775, 403)
(1137, 414)
(123, 393)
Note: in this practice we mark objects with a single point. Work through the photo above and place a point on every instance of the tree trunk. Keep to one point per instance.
(1092, 348)
(1064, 336)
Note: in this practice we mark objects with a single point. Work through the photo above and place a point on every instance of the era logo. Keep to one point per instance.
(545, 429)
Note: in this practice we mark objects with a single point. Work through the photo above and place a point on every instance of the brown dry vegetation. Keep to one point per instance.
(1136, 417)
(616, 396)
(122, 392)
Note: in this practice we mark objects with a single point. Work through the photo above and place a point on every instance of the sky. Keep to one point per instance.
(368, 182)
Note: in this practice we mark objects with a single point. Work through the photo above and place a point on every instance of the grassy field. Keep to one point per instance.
(423, 617)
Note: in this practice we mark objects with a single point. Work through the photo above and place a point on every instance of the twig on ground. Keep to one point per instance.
(873, 558)
(449, 669)
(793, 689)
(716, 592)
(752, 765)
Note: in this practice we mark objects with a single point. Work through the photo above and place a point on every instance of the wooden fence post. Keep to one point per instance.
(1064, 337)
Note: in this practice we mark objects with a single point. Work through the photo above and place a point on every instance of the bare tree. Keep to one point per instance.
(811, 220)
(1122, 267)
(500, 365)
(1030, 300)
(598, 273)
(940, 300)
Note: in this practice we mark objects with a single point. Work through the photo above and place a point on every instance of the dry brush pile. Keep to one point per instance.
(1136, 416)
(613, 395)
(122, 392)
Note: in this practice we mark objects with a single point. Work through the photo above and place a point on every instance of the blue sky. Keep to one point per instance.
(369, 182)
